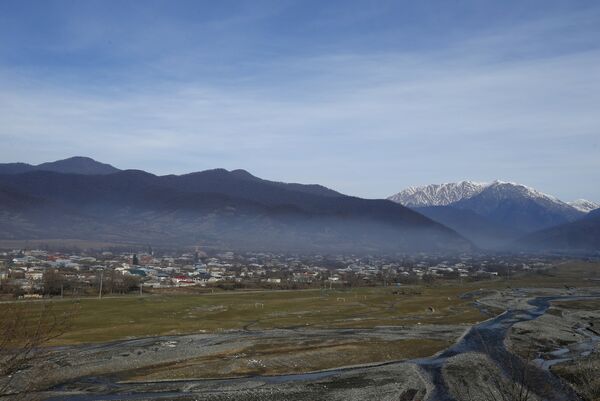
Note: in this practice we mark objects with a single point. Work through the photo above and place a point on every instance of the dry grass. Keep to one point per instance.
(127, 317)
(284, 357)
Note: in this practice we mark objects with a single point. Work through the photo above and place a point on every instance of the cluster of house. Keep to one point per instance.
(27, 269)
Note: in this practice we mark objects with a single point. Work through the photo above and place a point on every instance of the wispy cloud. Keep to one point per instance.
(367, 123)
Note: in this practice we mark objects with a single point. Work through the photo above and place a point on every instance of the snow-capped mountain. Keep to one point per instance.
(448, 193)
(584, 205)
(519, 206)
(438, 194)
(499, 190)
(507, 204)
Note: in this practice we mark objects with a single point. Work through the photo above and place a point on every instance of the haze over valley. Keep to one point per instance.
(85, 199)
(299, 200)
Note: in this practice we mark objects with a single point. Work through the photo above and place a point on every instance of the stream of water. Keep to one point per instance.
(486, 337)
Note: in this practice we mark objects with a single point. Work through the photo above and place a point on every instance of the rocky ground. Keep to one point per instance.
(141, 365)
(565, 340)
(398, 381)
(475, 377)
(116, 371)
(132, 357)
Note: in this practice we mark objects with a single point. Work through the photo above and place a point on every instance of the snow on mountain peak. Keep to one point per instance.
(438, 194)
(510, 188)
(584, 205)
(447, 193)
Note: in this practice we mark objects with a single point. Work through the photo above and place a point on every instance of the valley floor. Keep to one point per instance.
(406, 344)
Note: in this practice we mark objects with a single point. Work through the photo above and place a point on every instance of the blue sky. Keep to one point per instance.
(366, 97)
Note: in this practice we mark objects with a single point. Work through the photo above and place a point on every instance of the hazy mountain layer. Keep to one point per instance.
(215, 207)
(480, 230)
(74, 165)
(582, 235)
(519, 207)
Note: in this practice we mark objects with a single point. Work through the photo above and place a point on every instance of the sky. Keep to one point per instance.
(366, 97)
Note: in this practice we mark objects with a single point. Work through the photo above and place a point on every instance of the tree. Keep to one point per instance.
(587, 382)
(583, 374)
(24, 330)
(429, 279)
(486, 381)
(497, 375)
(53, 282)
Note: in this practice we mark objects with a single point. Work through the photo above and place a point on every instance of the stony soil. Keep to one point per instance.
(92, 370)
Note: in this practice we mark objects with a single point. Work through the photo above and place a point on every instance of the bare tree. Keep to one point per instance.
(25, 328)
(485, 381)
(500, 375)
(584, 376)
(53, 282)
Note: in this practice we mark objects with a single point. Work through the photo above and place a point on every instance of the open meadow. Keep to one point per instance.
(109, 319)
(116, 318)
(227, 334)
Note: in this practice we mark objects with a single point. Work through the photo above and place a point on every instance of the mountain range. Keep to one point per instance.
(580, 235)
(437, 194)
(83, 199)
(80, 198)
(496, 214)
(74, 165)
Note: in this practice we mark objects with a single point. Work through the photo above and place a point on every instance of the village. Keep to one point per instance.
(37, 273)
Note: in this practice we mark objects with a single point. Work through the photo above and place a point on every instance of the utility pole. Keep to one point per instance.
(101, 278)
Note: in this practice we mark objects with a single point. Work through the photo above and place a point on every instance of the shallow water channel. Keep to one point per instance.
(486, 337)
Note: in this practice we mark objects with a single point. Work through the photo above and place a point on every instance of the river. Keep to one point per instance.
(486, 337)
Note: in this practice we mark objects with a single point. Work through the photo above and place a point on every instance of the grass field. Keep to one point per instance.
(111, 319)
(573, 273)
(118, 318)
(126, 317)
